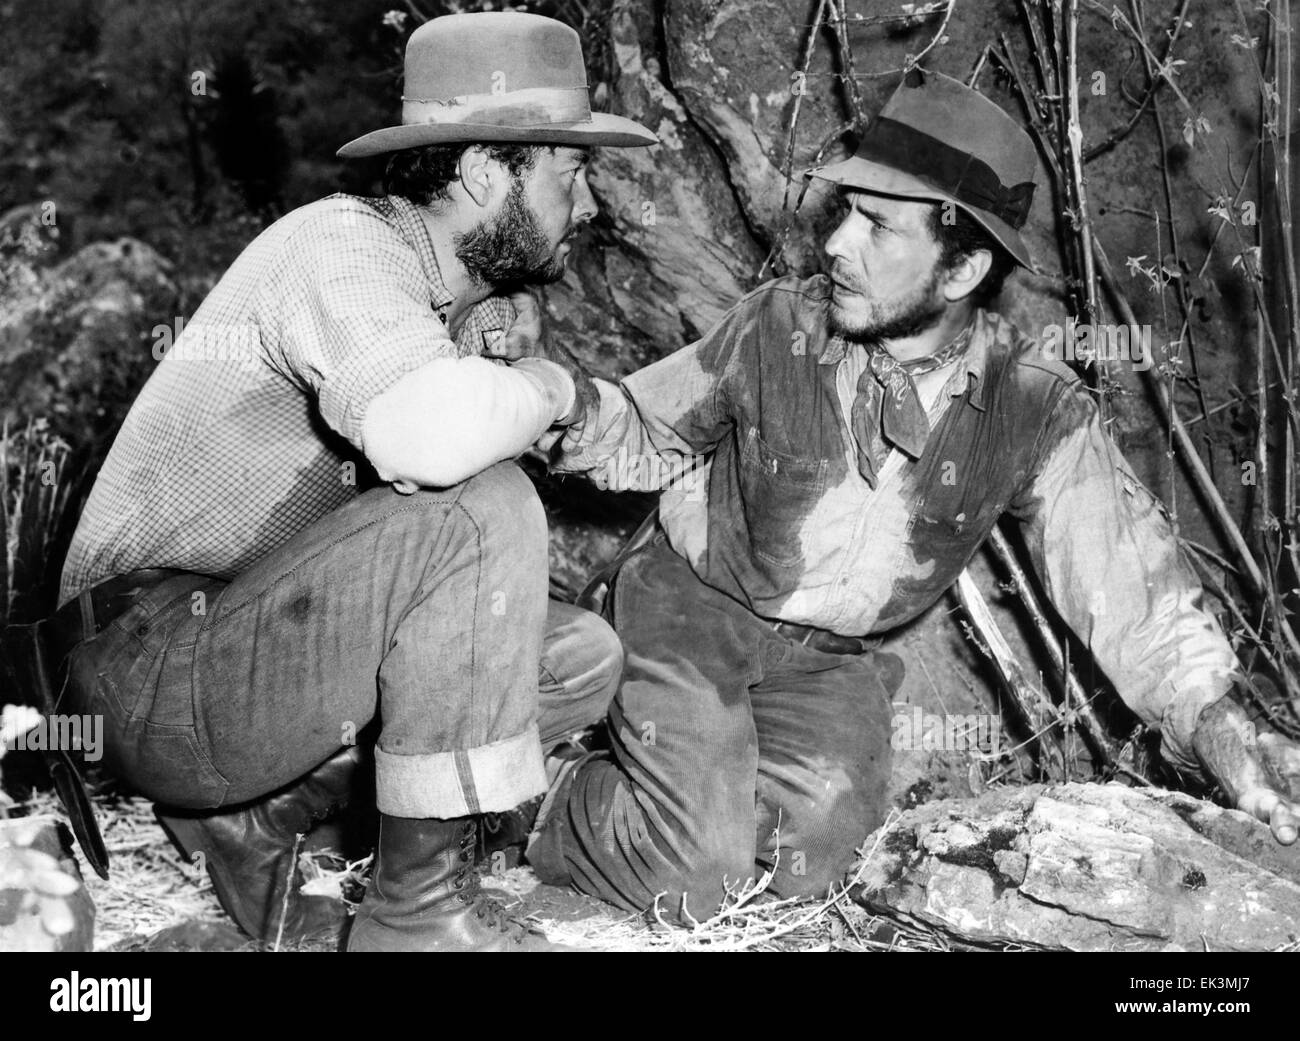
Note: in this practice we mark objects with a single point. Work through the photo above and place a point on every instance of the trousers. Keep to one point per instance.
(736, 750)
(425, 615)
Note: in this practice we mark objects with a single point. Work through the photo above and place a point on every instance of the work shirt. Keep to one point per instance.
(746, 430)
(250, 428)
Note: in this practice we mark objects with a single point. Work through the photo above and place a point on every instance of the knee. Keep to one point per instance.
(698, 889)
(584, 661)
(501, 500)
(825, 841)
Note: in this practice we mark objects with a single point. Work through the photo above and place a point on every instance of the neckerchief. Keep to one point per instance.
(887, 411)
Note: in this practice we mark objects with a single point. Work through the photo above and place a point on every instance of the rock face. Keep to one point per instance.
(43, 904)
(1087, 867)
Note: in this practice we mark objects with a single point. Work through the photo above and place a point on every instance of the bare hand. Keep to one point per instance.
(527, 333)
(1260, 775)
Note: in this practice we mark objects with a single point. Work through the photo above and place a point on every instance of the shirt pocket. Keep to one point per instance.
(949, 540)
(779, 493)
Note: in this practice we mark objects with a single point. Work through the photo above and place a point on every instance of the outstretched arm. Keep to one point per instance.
(643, 431)
(1110, 560)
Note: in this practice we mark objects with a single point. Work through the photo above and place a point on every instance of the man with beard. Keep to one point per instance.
(856, 437)
(239, 608)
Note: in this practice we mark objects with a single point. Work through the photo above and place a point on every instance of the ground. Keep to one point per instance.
(154, 901)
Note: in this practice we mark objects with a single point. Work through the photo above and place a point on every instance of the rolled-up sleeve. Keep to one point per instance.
(361, 318)
(1110, 561)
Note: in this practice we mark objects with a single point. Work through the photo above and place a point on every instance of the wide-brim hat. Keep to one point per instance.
(940, 140)
(497, 76)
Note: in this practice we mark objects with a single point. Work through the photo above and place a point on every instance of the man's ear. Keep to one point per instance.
(478, 174)
(965, 275)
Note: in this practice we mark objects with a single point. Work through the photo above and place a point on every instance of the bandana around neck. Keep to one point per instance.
(887, 411)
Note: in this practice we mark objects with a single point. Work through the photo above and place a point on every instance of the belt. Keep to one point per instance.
(825, 640)
(95, 609)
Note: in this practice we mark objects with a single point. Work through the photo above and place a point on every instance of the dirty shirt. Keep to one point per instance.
(745, 431)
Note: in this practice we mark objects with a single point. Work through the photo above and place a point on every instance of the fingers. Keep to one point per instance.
(1282, 817)
(525, 304)
(525, 333)
(1283, 756)
(1285, 822)
(511, 347)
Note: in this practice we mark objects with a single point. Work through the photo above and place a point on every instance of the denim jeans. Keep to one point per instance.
(429, 611)
(735, 750)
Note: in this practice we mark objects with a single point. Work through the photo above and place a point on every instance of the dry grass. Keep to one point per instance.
(751, 919)
(151, 888)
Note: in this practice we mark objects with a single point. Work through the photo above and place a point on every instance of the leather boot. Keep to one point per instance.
(249, 852)
(502, 836)
(424, 894)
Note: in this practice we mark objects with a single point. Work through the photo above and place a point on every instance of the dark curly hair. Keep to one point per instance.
(425, 174)
(965, 236)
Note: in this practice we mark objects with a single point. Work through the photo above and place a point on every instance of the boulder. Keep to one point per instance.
(1086, 867)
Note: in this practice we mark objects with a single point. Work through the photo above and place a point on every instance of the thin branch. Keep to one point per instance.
(1034, 707)
(809, 47)
(1079, 701)
(912, 60)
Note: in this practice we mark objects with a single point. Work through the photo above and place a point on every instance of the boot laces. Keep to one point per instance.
(466, 882)
(492, 914)
(486, 909)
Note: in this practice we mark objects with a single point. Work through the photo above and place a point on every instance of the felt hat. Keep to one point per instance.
(938, 139)
(496, 77)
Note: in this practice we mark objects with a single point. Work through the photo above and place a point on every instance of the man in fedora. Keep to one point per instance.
(856, 436)
(239, 607)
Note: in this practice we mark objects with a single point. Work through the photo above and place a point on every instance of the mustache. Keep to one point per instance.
(845, 278)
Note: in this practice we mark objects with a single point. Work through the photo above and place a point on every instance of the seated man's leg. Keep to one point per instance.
(671, 812)
(429, 607)
(824, 759)
(582, 660)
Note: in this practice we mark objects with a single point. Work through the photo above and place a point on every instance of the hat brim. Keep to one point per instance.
(870, 176)
(604, 129)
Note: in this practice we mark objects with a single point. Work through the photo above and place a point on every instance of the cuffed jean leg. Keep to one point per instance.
(430, 607)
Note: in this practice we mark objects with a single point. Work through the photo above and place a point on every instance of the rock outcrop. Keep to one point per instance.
(1087, 867)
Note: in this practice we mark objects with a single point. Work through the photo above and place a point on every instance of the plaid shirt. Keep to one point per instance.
(250, 428)
(745, 430)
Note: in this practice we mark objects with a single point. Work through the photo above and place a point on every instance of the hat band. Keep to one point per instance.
(965, 177)
(529, 107)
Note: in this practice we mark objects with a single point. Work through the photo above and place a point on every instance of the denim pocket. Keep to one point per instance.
(166, 764)
(779, 493)
(122, 661)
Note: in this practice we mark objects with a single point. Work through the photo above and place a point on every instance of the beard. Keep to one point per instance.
(509, 248)
(898, 319)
